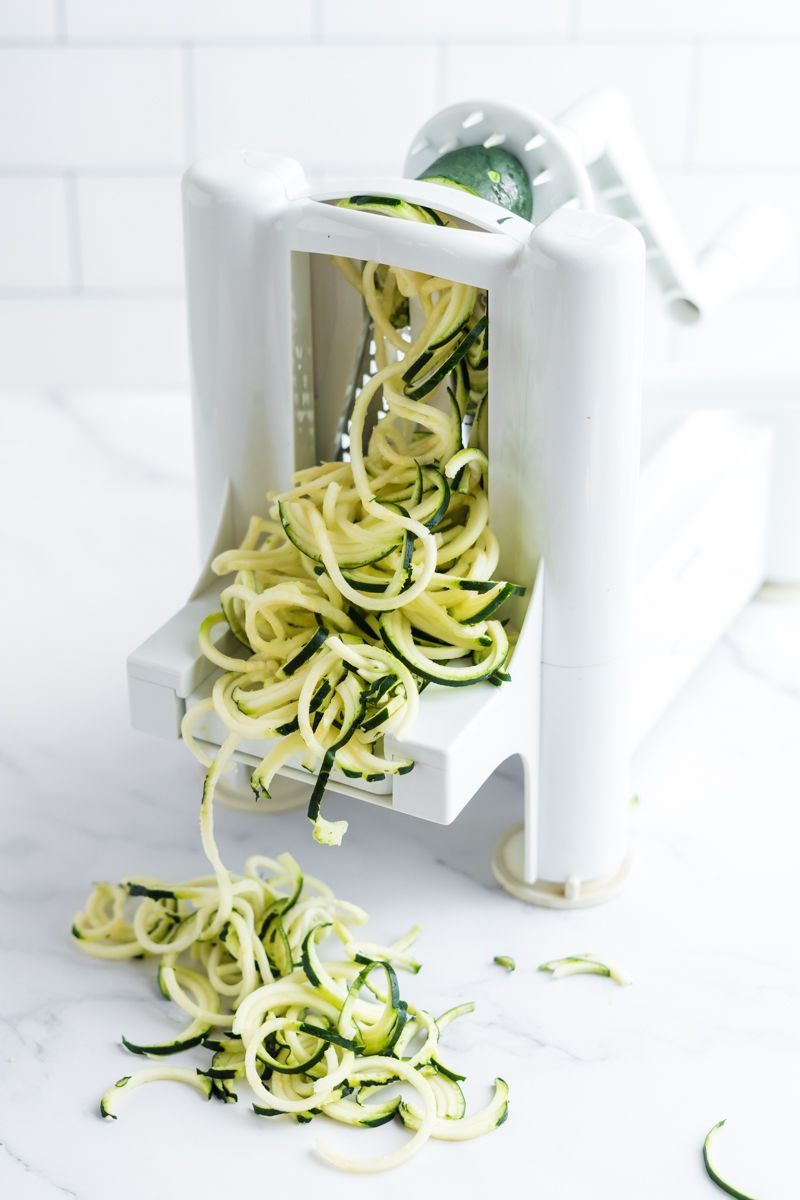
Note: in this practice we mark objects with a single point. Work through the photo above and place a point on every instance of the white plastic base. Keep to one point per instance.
(507, 866)
(234, 791)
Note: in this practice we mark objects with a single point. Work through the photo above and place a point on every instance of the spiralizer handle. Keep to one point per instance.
(602, 132)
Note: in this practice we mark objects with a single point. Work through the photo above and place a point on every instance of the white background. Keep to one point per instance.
(104, 102)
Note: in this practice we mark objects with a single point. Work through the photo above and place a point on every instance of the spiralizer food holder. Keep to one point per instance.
(275, 337)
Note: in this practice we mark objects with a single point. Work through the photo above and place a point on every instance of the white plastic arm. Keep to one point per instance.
(603, 134)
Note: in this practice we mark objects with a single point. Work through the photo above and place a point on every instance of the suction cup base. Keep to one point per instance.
(507, 867)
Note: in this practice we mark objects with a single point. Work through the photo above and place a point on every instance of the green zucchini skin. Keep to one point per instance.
(711, 1170)
(316, 640)
(404, 647)
(394, 207)
(489, 172)
(431, 381)
(383, 545)
(159, 1049)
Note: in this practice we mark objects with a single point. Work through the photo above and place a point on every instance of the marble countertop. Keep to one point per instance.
(612, 1089)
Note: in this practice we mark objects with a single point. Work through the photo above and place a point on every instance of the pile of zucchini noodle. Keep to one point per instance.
(308, 1035)
(370, 579)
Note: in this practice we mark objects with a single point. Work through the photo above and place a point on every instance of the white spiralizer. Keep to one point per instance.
(275, 335)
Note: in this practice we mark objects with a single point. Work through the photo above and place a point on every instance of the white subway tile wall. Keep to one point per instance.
(320, 104)
(102, 104)
(89, 341)
(35, 236)
(130, 233)
(749, 106)
(421, 20)
(77, 108)
(28, 20)
(704, 201)
(722, 19)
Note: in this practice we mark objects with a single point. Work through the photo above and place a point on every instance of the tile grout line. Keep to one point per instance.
(774, 292)
(442, 74)
(574, 20)
(350, 40)
(87, 170)
(72, 218)
(60, 21)
(87, 294)
(188, 92)
(317, 21)
(91, 171)
(693, 105)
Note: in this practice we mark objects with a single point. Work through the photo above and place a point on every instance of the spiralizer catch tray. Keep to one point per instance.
(275, 336)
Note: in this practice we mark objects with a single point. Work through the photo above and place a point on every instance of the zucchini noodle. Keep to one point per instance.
(372, 578)
(583, 964)
(240, 956)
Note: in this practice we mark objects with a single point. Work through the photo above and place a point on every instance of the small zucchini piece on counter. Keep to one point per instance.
(128, 1083)
(711, 1170)
(504, 960)
(583, 964)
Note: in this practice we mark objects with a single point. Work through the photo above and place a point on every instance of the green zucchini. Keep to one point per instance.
(490, 172)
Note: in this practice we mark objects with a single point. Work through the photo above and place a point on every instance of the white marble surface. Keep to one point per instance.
(612, 1089)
